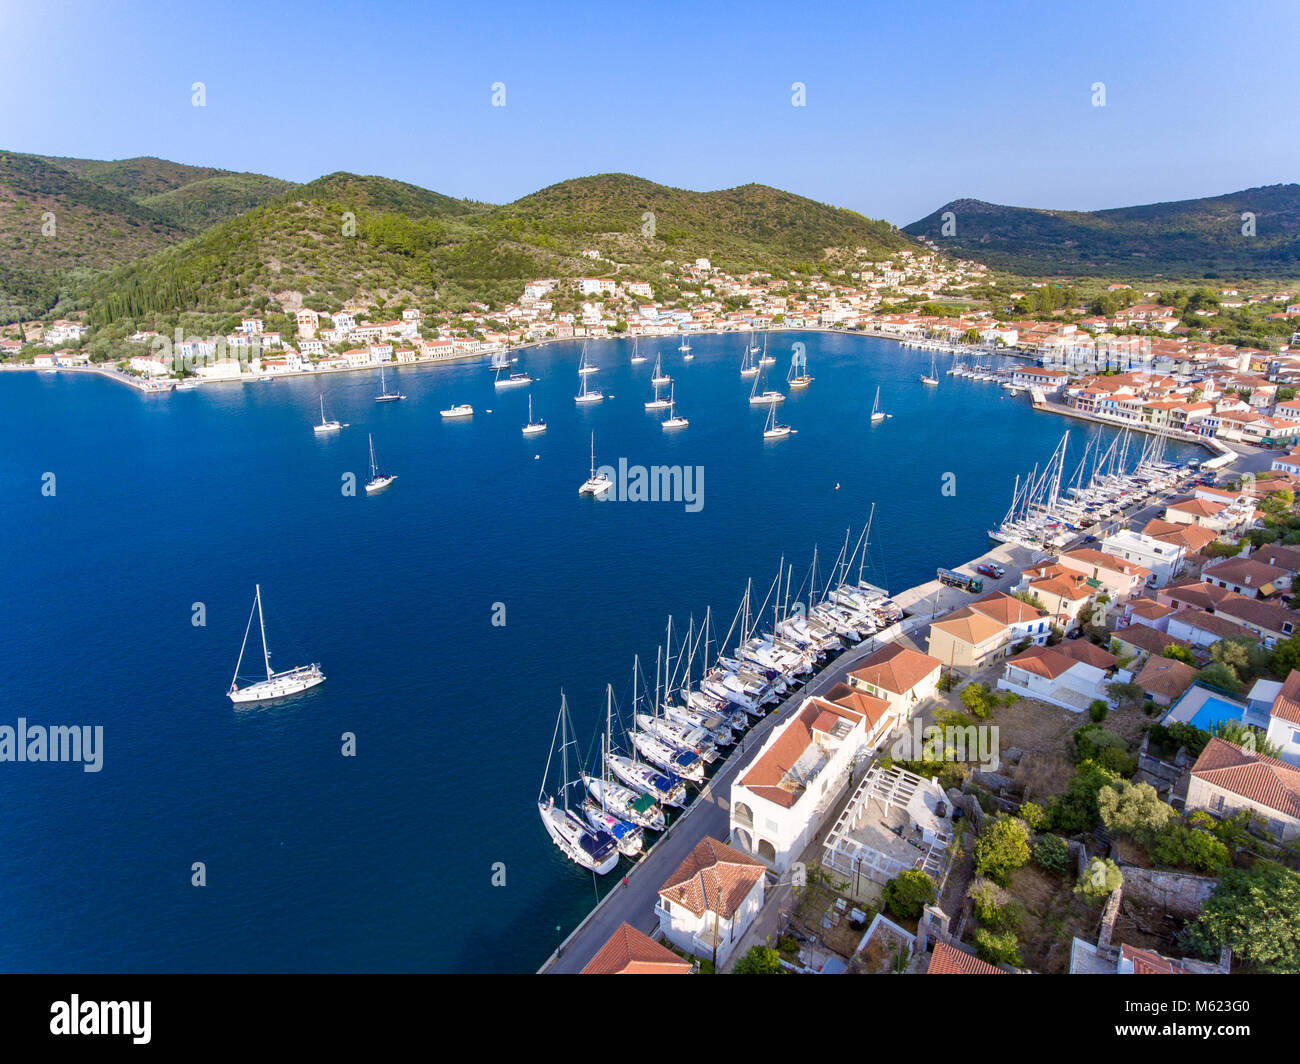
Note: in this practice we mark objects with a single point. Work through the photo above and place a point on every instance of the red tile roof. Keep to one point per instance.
(948, 960)
(896, 668)
(1255, 777)
(714, 877)
(629, 952)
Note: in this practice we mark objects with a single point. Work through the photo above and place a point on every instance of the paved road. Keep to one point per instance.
(709, 814)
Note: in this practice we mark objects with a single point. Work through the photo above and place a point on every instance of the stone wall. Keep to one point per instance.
(1180, 894)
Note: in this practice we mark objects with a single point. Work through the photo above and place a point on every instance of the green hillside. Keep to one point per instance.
(1186, 238)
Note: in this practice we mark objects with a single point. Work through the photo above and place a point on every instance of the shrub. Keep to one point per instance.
(1034, 815)
(1098, 710)
(1076, 810)
(986, 897)
(908, 893)
(1051, 853)
(997, 947)
(978, 699)
(1098, 880)
(1180, 846)
(760, 960)
(1002, 849)
(1179, 653)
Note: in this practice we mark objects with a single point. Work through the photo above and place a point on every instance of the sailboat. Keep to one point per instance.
(672, 421)
(766, 359)
(659, 376)
(637, 357)
(876, 413)
(514, 380)
(276, 684)
(748, 367)
(685, 349)
(326, 426)
(773, 431)
(625, 803)
(585, 394)
(757, 398)
(798, 375)
(385, 396)
(582, 844)
(378, 481)
(533, 427)
(595, 485)
(933, 377)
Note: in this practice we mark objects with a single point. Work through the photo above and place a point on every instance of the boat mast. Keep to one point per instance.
(266, 654)
(866, 544)
(547, 774)
(234, 680)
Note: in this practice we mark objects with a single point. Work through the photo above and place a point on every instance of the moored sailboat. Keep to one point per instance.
(327, 426)
(584, 845)
(378, 481)
(597, 484)
(276, 684)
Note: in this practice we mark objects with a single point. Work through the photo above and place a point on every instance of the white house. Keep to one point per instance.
(781, 797)
(1163, 560)
(903, 677)
(708, 903)
(1071, 675)
(1284, 719)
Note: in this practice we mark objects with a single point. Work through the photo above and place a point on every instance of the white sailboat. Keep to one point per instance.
(933, 377)
(326, 426)
(773, 431)
(685, 349)
(385, 396)
(514, 380)
(378, 481)
(876, 413)
(637, 357)
(276, 684)
(595, 485)
(672, 421)
(798, 376)
(766, 359)
(585, 394)
(582, 844)
(584, 367)
(533, 428)
(748, 367)
(627, 804)
(659, 376)
(757, 398)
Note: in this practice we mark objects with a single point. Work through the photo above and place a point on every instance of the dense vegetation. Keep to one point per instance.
(1187, 238)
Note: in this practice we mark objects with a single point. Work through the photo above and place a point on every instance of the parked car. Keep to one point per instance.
(991, 569)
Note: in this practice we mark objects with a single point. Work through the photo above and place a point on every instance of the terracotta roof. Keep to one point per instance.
(1101, 560)
(767, 776)
(1287, 703)
(1213, 624)
(1283, 557)
(1147, 963)
(1068, 584)
(1166, 676)
(714, 877)
(1190, 537)
(1267, 616)
(1005, 608)
(1200, 595)
(1088, 653)
(1197, 507)
(629, 952)
(1246, 572)
(1255, 777)
(873, 708)
(896, 668)
(970, 627)
(948, 960)
(1150, 608)
(1046, 662)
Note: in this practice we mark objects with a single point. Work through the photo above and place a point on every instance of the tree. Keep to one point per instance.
(1098, 880)
(1251, 739)
(1180, 846)
(997, 947)
(1256, 912)
(1076, 810)
(978, 699)
(1051, 853)
(1222, 676)
(1002, 849)
(907, 894)
(1285, 657)
(760, 960)
(1133, 809)
(1178, 653)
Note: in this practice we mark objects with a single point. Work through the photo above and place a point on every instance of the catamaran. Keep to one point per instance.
(672, 421)
(773, 431)
(582, 844)
(276, 684)
(597, 484)
(461, 410)
(637, 357)
(876, 413)
(378, 481)
(933, 378)
(659, 377)
(326, 426)
(533, 427)
(385, 396)
(757, 398)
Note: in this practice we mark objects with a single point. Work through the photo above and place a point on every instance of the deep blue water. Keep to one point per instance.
(384, 861)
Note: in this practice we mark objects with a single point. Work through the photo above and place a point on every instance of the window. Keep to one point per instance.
(1295, 735)
(1216, 803)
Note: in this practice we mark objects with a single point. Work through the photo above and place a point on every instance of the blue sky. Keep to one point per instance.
(908, 105)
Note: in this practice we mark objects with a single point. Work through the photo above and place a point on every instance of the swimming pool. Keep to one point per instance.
(1213, 710)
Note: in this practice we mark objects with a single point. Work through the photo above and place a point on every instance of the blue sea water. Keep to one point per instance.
(384, 861)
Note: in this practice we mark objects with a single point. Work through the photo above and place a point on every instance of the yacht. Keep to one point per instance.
(514, 380)
(632, 806)
(659, 377)
(585, 394)
(686, 764)
(584, 367)
(533, 428)
(664, 788)
(933, 377)
(326, 426)
(876, 413)
(773, 431)
(276, 684)
(463, 410)
(385, 396)
(637, 357)
(682, 736)
(672, 421)
(748, 367)
(586, 846)
(757, 398)
(378, 481)
(766, 359)
(597, 484)
(685, 349)
(798, 375)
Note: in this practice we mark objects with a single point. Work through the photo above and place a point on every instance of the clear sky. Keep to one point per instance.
(908, 105)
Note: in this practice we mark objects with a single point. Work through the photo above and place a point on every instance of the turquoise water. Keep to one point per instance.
(1215, 710)
(384, 862)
